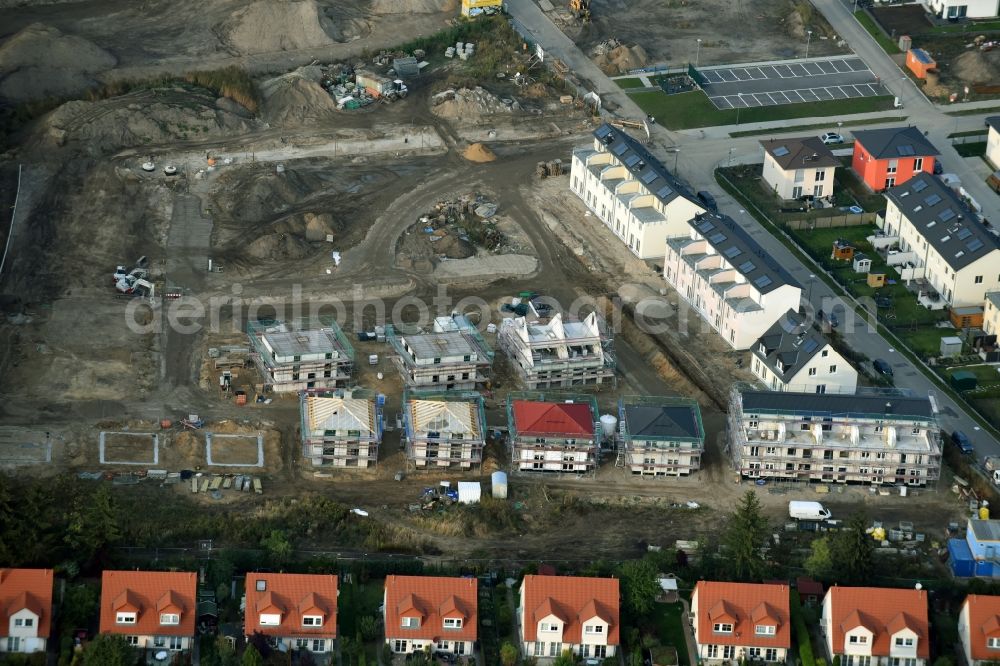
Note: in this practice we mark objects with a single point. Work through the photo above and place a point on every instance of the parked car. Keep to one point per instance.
(709, 201)
(962, 441)
(882, 366)
(831, 138)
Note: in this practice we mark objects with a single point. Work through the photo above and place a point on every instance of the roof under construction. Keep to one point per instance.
(339, 413)
(445, 416)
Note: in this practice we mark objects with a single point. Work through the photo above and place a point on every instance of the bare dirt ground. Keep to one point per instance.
(667, 31)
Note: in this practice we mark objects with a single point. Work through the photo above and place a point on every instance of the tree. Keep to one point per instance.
(277, 545)
(746, 533)
(368, 626)
(252, 657)
(508, 654)
(108, 650)
(819, 564)
(638, 586)
(854, 551)
(565, 659)
(93, 526)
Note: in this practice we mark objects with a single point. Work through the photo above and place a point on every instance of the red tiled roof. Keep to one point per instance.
(808, 586)
(984, 623)
(883, 611)
(553, 418)
(26, 588)
(740, 604)
(291, 596)
(142, 592)
(432, 598)
(574, 600)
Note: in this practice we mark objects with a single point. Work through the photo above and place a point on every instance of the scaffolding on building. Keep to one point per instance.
(452, 354)
(691, 446)
(341, 449)
(298, 355)
(422, 408)
(539, 443)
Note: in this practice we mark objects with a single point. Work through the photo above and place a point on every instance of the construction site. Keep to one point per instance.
(278, 320)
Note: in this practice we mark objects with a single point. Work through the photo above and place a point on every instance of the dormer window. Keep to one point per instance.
(857, 640)
(125, 618)
(993, 643)
(170, 618)
(25, 622)
(723, 628)
(410, 622)
(312, 620)
(270, 619)
(546, 626)
(765, 630)
(594, 629)
(453, 623)
(904, 642)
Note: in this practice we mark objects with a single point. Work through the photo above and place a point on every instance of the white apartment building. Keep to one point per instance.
(874, 438)
(631, 191)
(558, 353)
(294, 357)
(795, 168)
(993, 141)
(454, 356)
(660, 436)
(959, 9)
(728, 278)
(941, 243)
(791, 356)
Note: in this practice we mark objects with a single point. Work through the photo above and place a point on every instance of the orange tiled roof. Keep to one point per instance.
(740, 604)
(432, 598)
(883, 611)
(143, 592)
(26, 588)
(574, 600)
(984, 623)
(292, 596)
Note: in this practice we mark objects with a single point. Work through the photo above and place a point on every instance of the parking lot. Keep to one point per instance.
(790, 82)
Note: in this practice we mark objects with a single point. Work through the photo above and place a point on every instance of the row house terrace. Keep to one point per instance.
(558, 434)
(631, 192)
(26, 603)
(876, 626)
(295, 356)
(293, 611)
(873, 438)
(728, 278)
(431, 612)
(444, 429)
(737, 622)
(557, 614)
(154, 610)
(559, 353)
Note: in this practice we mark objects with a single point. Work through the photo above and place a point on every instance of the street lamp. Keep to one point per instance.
(697, 53)
(738, 110)
(812, 278)
(809, 34)
(676, 152)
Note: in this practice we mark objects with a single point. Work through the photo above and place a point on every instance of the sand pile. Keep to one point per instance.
(621, 59)
(977, 67)
(477, 152)
(454, 248)
(259, 197)
(412, 6)
(296, 98)
(277, 25)
(294, 237)
(40, 61)
(470, 103)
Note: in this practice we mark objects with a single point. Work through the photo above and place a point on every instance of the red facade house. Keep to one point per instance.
(884, 158)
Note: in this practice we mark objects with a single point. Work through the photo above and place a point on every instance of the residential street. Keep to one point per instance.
(701, 151)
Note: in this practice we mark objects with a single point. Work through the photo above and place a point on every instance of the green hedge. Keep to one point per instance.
(801, 632)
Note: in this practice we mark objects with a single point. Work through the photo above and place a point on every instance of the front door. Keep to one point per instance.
(796, 191)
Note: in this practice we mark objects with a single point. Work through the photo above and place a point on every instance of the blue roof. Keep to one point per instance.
(922, 56)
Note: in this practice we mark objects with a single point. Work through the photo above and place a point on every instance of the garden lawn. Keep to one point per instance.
(974, 149)
(670, 628)
(629, 83)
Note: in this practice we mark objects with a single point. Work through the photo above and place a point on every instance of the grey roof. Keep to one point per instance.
(644, 167)
(985, 530)
(791, 342)
(805, 153)
(678, 421)
(837, 404)
(895, 142)
(939, 215)
(300, 343)
(744, 253)
(994, 298)
(435, 345)
(994, 122)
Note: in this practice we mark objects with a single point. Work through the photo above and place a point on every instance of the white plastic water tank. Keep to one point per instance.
(498, 482)
(609, 424)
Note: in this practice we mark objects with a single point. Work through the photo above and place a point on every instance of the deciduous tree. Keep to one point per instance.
(108, 650)
(854, 551)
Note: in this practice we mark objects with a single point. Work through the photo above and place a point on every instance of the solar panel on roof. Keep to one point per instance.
(946, 214)
(620, 148)
(786, 325)
(632, 160)
(780, 151)
(717, 238)
(603, 131)
(905, 151)
(733, 251)
(974, 245)
(649, 177)
(810, 345)
(933, 199)
(963, 234)
(706, 226)
(763, 281)
(920, 186)
(664, 192)
(747, 266)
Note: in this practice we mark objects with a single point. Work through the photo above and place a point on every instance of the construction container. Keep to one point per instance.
(376, 84)
(498, 482)
(469, 492)
(919, 61)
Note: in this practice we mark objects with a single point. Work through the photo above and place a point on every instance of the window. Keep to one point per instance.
(555, 649)
(722, 628)
(765, 630)
(713, 652)
(319, 645)
(594, 629)
(301, 643)
(539, 649)
(800, 175)
(125, 618)
(825, 353)
(820, 175)
(13, 644)
(453, 623)
(176, 643)
(833, 368)
(548, 627)
(858, 640)
(159, 641)
(979, 279)
(993, 643)
(904, 642)
(812, 372)
(269, 620)
(771, 654)
(918, 164)
(132, 640)
(893, 164)
(170, 618)
(312, 620)
(410, 622)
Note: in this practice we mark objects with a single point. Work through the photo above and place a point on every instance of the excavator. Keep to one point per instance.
(580, 9)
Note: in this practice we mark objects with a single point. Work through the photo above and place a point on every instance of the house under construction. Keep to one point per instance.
(559, 353)
(444, 428)
(556, 433)
(453, 357)
(660, 436)
(341, 428)
(297, 357)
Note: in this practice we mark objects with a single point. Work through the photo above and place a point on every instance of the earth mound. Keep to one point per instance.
(296, 98)
(266, 26)
(477, 152)
(977, 67)
(412, 6)
(622, 59)
(41, 61)
(466, 103)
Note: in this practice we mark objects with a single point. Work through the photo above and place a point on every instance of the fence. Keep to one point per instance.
(833, 221)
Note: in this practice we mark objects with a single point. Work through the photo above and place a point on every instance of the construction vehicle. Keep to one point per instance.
(580, 9)
(137, 287)
(127, 283)
(122, 272)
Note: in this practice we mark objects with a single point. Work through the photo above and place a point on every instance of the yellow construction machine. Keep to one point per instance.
(580, 9)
